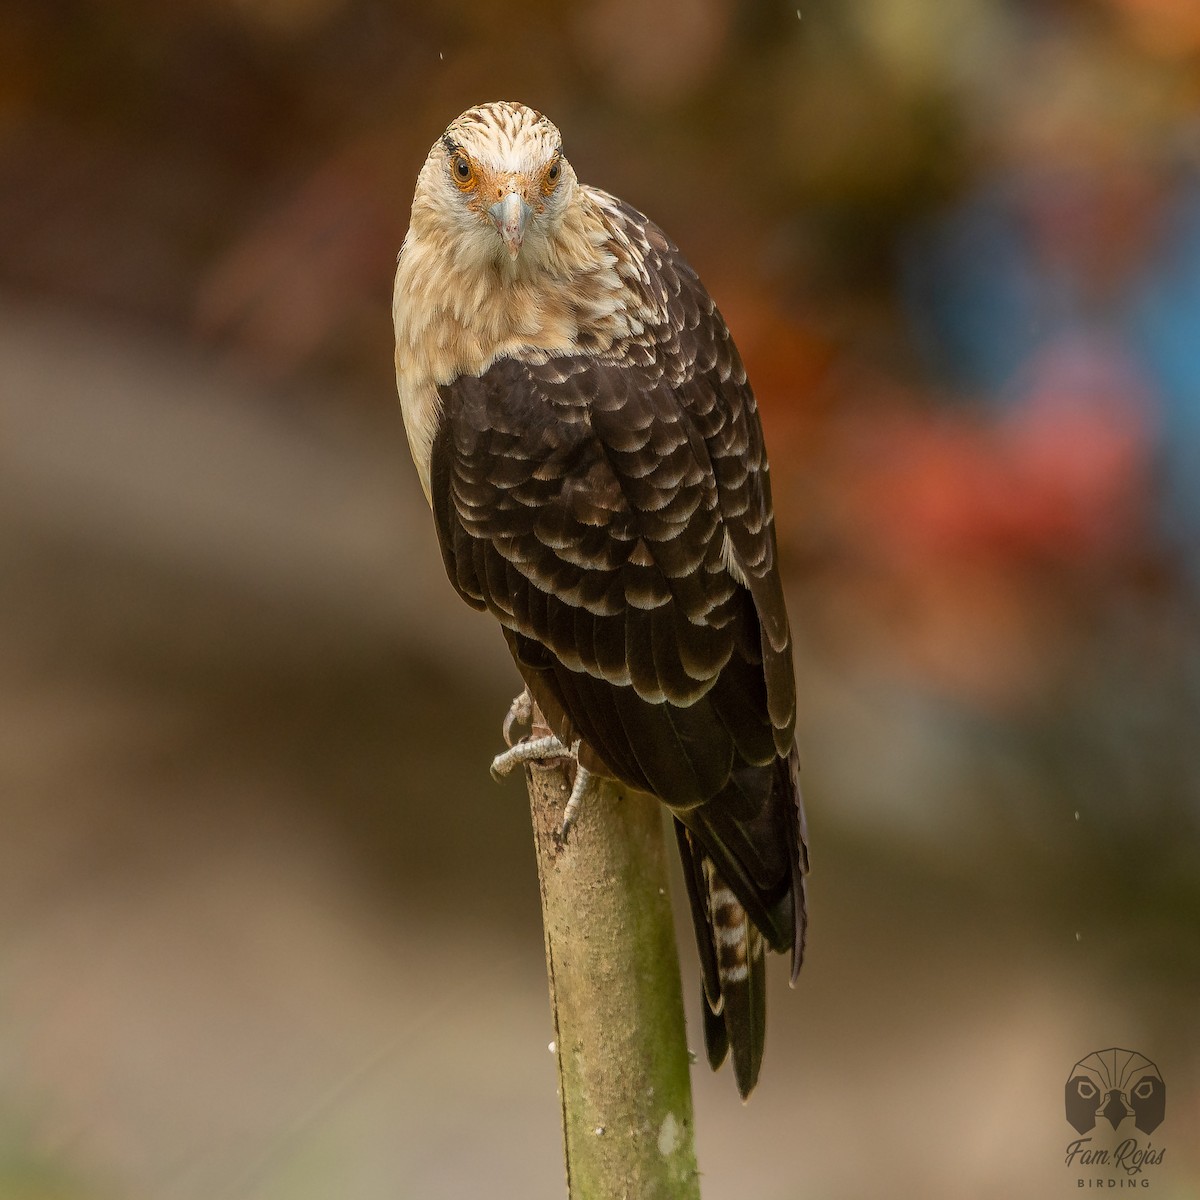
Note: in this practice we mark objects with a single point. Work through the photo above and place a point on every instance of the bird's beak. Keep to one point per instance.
(510, 215)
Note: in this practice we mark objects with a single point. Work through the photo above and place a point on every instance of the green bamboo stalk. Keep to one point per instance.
(619, 1038)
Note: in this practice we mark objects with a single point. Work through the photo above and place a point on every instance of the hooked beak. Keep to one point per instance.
(510, 215)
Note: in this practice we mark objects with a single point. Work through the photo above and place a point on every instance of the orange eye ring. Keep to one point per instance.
(461, 171)
(551, 175)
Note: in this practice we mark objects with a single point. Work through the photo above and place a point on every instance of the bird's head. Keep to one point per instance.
(496, 185)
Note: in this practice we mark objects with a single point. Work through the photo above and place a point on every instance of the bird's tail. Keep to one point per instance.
(736, 917)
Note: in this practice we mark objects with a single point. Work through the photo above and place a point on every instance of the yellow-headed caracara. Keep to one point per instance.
(587, 439)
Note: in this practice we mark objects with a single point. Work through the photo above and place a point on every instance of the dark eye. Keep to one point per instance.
(460, 167)
(550, 178)
(552, 174)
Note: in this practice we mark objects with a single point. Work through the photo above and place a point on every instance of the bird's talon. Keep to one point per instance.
(583, 779)
(520, 712)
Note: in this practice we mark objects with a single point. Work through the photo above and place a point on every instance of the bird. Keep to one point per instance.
(590, 447)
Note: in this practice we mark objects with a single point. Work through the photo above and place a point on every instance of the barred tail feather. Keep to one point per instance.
(732, 967)
(735, 920)
(742, 975)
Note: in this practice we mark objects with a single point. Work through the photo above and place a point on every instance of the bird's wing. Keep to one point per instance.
(693, 347)
(576, 501)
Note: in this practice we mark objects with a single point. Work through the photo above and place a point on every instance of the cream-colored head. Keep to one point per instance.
(506, 254)
(496, 186)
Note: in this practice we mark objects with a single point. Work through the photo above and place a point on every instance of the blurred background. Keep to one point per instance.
(268, 928)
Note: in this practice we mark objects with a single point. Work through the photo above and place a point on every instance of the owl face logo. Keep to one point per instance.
(1113, 1085)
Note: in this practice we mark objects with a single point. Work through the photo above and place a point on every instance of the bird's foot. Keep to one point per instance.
(520, 712)
(531, 750)
(541, 749)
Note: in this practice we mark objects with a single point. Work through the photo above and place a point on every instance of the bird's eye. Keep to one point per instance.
(551, 177)
(462, 172)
